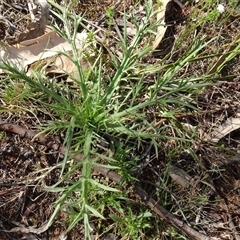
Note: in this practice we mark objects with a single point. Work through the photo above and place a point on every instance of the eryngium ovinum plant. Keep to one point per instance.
(111, 102)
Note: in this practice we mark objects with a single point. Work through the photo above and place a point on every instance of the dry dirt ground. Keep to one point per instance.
(25, 206)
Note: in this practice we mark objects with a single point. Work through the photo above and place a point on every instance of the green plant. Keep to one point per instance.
(15, 92)
(132, 225)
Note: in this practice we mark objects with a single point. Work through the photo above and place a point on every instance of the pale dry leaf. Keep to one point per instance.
(63, 236)
(161, 10)
(43, 47)
(28, 42)
(62, 64)
(179, 176)
(227, 127)
(22, 229)
(130, 28)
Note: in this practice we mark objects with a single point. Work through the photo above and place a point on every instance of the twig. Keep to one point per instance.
(44, 140)
(10, 190)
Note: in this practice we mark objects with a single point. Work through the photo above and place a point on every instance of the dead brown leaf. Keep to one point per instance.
(48, 46)
(162, 26)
